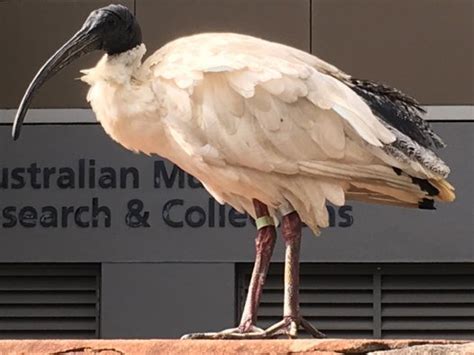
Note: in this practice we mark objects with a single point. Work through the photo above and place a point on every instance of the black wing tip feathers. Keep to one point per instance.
(426, 204)
(425, 186)
(397, 109)
(398, 171)
(388, 91)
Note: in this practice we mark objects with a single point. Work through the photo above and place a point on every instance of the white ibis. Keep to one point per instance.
(269, 129)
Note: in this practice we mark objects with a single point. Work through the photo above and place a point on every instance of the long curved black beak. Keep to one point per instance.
(83, 42)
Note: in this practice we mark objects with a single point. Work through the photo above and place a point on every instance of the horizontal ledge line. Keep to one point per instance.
(78, 115)
(60, 115)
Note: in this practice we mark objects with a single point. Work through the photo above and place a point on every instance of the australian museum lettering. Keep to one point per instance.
(88, 174)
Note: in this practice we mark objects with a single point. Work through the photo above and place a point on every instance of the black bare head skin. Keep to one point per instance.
(116, 26)
(113, 29)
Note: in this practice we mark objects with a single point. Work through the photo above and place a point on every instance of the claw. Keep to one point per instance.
(289, 327)
(286, 327)
(311, 330)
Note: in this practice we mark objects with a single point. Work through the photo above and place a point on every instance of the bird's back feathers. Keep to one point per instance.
(257, 119)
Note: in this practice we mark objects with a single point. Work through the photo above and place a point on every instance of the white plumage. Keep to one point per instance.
(252, 119)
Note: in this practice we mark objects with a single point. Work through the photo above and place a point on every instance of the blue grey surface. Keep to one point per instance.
(377, 233)
(165, 300)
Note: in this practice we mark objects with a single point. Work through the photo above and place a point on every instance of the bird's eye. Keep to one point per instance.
(111, 21)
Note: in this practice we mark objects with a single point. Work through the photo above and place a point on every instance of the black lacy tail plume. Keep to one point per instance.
(398, 110)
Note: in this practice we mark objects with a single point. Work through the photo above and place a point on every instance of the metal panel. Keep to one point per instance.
(380, 301)
(286, 21)
(422, 47)
(32, 30)
(428, 305)
(158, 300)
(49, 301)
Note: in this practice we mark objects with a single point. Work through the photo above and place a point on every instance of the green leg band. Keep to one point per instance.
(264, 221)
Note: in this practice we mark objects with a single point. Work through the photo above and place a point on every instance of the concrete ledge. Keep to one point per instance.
(326, 346)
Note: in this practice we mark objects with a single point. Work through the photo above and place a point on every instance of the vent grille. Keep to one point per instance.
(428, 305)
(49, 301)
(374, 301)
(339, 304)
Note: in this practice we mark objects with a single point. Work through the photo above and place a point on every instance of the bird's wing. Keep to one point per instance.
(260, 104)
(234, 100)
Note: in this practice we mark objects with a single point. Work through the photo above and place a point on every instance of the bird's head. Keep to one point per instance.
(113, 29)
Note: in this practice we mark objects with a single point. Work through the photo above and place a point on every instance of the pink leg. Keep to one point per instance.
(292, 320)
(291, 232)
(264, 245)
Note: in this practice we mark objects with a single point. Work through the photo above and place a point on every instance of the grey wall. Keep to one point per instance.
(166, 300)
(423, 47)
(372, 233)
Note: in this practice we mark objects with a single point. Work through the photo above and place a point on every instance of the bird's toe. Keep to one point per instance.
(251, 332)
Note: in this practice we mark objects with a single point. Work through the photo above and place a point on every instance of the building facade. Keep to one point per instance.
(96, 241)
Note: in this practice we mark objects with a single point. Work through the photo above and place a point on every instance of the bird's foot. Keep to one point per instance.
(288, 327)
(249, 332)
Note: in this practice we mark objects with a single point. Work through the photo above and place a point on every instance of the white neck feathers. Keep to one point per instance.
(118, 69)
